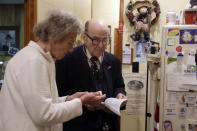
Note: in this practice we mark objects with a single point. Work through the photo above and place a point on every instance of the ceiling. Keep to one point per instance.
(11, 1)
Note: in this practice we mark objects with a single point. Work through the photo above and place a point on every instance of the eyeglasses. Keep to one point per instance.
(96, 41)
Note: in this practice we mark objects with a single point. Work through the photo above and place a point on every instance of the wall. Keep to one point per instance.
(85, 9)
(108, 10)
(81, 8)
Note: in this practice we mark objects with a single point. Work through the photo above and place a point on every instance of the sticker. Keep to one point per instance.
(190, 69)
(188, 36)
(179, 49)
(168, 125)
(171, 109)
(191, 99)
(182, 113)
(173, 32)
(171, 41)
(195, 38)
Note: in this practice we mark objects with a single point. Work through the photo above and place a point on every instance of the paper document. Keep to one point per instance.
(135, 86)
(113, 105)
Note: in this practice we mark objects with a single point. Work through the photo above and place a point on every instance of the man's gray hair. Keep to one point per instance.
(57, 25)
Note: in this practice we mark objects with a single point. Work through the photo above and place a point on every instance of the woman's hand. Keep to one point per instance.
(76, 95)
(92, 98)
(96, 105)
(88, 98)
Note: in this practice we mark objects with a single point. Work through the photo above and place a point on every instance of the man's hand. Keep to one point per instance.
(122, 96)
(96, 105)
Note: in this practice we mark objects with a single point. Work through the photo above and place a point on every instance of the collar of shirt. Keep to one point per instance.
(89, 56)
(47, 55)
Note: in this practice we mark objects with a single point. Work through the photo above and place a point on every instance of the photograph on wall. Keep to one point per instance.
(127, 54)
(141, 51)
(9, 40)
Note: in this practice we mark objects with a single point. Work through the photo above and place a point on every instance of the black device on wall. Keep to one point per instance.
(135, 67)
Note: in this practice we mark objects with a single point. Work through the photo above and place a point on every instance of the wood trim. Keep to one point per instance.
(117, 46)
(30, 7)
(121, 10)
(118, 33)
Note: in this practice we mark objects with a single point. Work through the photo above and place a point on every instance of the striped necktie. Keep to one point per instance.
(94, 66)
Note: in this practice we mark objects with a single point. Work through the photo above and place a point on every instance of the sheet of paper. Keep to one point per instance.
(181, 78)
(135, 85)
(126, 55)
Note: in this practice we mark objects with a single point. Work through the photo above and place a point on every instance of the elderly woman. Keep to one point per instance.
(29, 99)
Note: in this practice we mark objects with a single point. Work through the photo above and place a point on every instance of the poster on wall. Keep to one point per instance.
(135, 85)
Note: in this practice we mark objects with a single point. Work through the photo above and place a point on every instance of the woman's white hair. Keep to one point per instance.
(57, 25)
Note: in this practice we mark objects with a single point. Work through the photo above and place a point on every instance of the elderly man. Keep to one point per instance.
(90, 68)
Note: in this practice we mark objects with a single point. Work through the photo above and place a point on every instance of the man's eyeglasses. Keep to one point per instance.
(96, 41)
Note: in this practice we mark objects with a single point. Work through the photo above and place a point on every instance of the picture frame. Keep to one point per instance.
(9, 40)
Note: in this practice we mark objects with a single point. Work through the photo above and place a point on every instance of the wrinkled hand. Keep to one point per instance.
(122, 96)
(76, 95)
(92, 98)
(97, 104)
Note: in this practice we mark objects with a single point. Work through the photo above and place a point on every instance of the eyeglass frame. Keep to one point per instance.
(97, 40)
